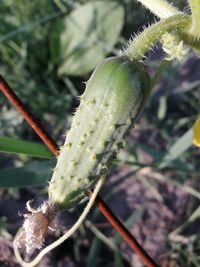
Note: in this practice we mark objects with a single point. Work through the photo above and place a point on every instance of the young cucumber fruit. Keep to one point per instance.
(113, 100)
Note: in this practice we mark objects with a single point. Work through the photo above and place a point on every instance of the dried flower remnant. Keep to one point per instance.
(35, 226)
(50, 213)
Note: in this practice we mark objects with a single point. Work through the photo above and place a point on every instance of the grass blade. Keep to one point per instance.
(180, 146)
(15, 146)
(94, 252)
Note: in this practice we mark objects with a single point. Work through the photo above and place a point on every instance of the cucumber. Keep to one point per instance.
(113, 100)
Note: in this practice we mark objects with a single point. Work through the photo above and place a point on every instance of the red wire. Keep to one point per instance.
(46, 138)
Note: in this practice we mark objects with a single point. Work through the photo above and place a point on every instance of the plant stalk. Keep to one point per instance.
(161, 8)
(195, 8)
(142, 43)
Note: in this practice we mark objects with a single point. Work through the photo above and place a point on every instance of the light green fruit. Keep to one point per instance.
(113, 100)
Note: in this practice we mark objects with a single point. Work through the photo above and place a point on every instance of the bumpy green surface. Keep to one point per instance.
(114, 98)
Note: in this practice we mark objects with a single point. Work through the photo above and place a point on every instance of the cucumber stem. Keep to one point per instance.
(161, 8)
(145, 40)
(195, 8)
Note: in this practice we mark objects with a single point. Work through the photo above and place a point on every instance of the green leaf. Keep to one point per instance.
(86, 36)
(12, 145)
(133, 219)
(151, 151)
(176, 150)
(95, 249)
(108, 242)
(32, 174)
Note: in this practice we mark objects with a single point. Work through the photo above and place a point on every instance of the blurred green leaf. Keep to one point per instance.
(151, 187)
(186, 87)
(151, 151)
(32, 174)
(192, 218)
(180, 146)
(162, 110)
(86, 36)
(3, 229)
(29, 26)
(118, 260)
(95, 249)
(108, 242)
(134, 218)
(12, 145)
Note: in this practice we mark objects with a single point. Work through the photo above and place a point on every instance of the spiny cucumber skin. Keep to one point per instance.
(113, 100)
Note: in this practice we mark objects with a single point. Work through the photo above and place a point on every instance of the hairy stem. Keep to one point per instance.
(161, 8)
(145, 40)
(66, 235)
(195, 8)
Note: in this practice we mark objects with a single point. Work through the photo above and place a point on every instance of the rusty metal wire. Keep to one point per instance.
(46, 138)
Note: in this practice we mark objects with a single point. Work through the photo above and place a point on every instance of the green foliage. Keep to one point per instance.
(12, 145)
(178, 148)
(26, 63)
(35, 173)
(85, 37)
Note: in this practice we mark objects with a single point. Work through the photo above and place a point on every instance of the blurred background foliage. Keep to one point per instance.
(48, 50)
